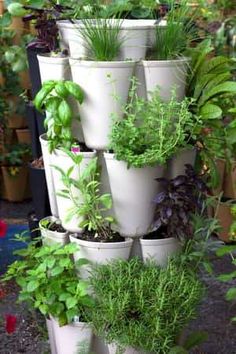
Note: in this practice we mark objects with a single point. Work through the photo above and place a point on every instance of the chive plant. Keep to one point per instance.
(102, 38)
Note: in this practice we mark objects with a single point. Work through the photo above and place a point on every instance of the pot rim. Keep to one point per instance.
(102, 245)
(151, 242)
(172, 62)
(91, 154)
(52, 218)
(102, 64)
(44, 58)
(73, 324)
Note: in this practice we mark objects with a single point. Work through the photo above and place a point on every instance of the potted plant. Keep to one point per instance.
(15, 172)
(96, 239)
(54, 98)
(179, 199)
(131, 297)
(39, 188)
(52, 231)
(166, 66)
(225, 214)
(73, 164)
(140, 144)
(101, 68)
(48, 282)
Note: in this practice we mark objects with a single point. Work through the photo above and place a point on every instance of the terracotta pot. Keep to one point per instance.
(20, 29)
(1, 7)
(220, 165)
(23, 136)
(15, 122)
(24, 79)
(229, 185)
(225, 219)
(15, 186)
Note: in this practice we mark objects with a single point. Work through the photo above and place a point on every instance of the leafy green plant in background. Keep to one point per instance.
(90, 204)
(101, 38)
(126, 293)
(211, 85)
(54, 99)
(151, 131)
(48, 281)
(173, 39)
(231, 293)
(15, 155)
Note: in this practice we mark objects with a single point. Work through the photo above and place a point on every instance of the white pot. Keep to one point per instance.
(159, 250)
(139, 74)
(63, 161)
(51, 336)
(104, 180)
(100, 81)
(166, 74)
(73, 338)
(135, 37)
(176, 165)
(99, 346)
(129, 350)
(48, 172)
(51, 237)
(55, 68)
(70, 38)
(133, 191)
(101, 252)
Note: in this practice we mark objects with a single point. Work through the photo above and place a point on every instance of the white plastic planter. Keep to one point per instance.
(73, 338)
(135, 37)
(51, 237)
(139, 74)
(101, 252)
(48, 172)
(63, 161)
(70, 38)
(54, 68)
(133, 191)
(166, 74)
(100, 81)
(159, 250)
(176, 166)
(51, 336)
(129, 350)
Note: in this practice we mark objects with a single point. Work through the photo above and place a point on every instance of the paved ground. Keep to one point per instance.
(214, 312)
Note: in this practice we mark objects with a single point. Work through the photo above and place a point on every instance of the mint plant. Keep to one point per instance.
(54, 99)
(48, 281)
(151, 131)
(90, 204)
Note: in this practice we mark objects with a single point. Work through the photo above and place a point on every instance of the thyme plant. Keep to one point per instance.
(151, 131)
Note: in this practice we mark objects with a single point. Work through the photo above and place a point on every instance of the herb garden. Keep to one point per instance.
(118, 131)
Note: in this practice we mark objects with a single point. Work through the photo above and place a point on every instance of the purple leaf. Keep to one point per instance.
(160, 197)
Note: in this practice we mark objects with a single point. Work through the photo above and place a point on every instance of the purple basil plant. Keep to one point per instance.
(45, 25)
(180, 198)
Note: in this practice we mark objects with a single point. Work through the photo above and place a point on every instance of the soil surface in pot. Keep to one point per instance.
(159, 234)
(93, 237)
(38, 163)
(54, 226)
